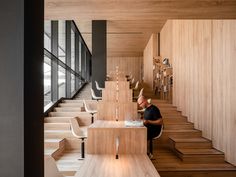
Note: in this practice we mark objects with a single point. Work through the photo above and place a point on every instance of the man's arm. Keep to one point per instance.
(153, 122)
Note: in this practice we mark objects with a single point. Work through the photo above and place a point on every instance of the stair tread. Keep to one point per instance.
(54, 140)
(193, 130)
(58, 117)
(50, 151)
(57, 131)
(189, 140)
(200, 151)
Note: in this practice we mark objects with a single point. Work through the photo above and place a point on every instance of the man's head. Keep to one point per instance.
(142, 102)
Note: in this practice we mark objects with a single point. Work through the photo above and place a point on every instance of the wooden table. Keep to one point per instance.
(125, 166)
(102, 137)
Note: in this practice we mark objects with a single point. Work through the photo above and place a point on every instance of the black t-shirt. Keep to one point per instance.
(152, 113)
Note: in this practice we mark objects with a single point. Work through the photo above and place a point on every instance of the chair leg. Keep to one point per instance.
(92, 118)
(150, 146)
(82, 149)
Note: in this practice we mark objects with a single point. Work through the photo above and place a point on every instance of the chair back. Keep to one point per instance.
(93, 94)
(97, 86)
(90, 105)
(75, 128)
(136, 85)
(50, 167)
(141, 93)
(162, 127)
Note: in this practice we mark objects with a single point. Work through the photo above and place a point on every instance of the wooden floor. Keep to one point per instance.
(180, 152)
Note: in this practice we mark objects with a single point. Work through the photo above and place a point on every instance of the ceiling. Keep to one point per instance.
(130, 23)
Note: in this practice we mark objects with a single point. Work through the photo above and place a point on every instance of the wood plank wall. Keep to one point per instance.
(126, 64)
(203, 56)
(150, 51)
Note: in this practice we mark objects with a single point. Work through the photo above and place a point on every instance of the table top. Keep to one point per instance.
(116, 124)
(125, 166)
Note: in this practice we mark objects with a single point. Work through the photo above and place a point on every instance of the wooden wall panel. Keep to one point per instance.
(125, 111)
(150, 51)
(224, 87)
(204, 77)
(127, 65)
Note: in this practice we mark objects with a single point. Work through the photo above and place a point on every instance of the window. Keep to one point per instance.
(47, 35)
(62, 41)
(61, 82)
(47, 81)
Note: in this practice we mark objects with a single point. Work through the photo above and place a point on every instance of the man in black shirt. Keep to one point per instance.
(152, 119)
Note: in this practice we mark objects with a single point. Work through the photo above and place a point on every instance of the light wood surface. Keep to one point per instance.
(129, 65)
(204, 77)
(125, 110)
(150, 51)
(102, 138)
(125, 166)
(111, 85)
(128, 28)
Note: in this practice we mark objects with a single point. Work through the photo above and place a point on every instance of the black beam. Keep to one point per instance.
(21, 91)
(99, 57)
(54, 74)
(68, 58)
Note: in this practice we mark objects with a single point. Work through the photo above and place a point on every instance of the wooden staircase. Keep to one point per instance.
(182, 151)
(58, 139)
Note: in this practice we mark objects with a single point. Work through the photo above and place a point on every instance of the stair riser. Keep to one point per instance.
(203, 159)
(72, 105)
(49, 145)
(53, 135)
(55, 126)
(68, 109)
(70, 114)
(178, 127)
(57, 120)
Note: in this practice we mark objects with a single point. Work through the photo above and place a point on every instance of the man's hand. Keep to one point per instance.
(145, 122)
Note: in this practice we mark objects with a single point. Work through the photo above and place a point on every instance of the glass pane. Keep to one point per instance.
(47, 80)
(47, 35)
(62, 40)
(72, 50)
(80, 48)
(61, 82)
(72, 83)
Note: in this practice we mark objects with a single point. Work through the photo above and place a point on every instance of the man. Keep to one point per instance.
(152, 120)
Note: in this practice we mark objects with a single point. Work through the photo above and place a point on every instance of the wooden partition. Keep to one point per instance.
(132, 140)
(123, 94)
(203, 57)
(117, 110)
(112, 85)
(149, 53)
(128, 65)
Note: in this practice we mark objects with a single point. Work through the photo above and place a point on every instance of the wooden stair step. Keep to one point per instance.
(182, 133)
(55, 134)
(72, 101)
(57, 126)
(184, 126)
(71, 105)
(53, 143)
(197, 143)
(68, 109)
(70, 114)
(57, 119)
(174, 119)
(200, 155)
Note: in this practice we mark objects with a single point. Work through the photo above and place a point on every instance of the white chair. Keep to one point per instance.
(94, 96)
(50, 167)
(97, 86)
(136, 86)
(132, 81)
(90, 108)
(78, 133)
(151, 144)
(139, 95)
